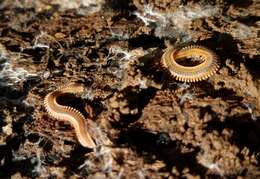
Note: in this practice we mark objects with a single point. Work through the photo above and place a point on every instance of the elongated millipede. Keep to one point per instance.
(66, 113)
(201, 71)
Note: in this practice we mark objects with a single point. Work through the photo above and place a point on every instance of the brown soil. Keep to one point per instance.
(147, 124)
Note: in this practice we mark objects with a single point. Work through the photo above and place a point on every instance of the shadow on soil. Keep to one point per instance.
(245, 130)
(149, 144)
(150, 66)
(146, 41)
(136, 100)
(226, 48)
(76, 159)
(207, 89)
(11, 162)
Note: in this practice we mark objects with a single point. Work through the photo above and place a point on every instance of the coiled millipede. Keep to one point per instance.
(66, 113)
(204, 63)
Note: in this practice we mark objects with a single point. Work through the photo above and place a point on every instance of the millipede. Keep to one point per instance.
(70, 114)
(172, 60)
